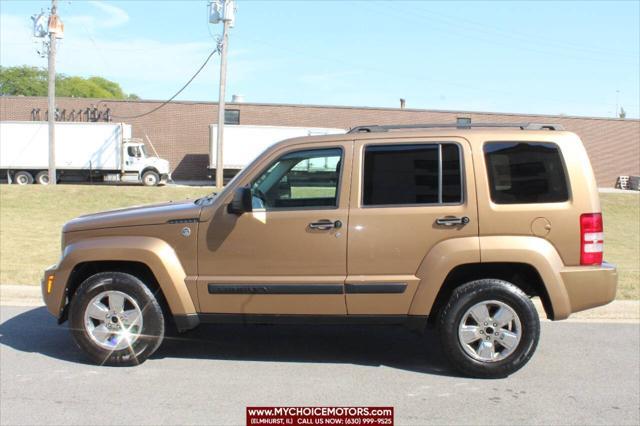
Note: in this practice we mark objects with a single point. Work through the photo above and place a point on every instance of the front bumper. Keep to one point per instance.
(53, 287)
(590, 286)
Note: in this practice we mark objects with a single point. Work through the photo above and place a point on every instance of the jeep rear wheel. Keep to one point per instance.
(489, 328)
(115, 319)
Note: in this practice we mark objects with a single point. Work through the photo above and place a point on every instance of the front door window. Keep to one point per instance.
(300, 180)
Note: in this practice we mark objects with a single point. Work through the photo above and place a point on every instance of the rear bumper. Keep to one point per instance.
(590, 286)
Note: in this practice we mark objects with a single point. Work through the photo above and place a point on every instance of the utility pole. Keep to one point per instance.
(221, 102)
(221, 10)
(53, 33)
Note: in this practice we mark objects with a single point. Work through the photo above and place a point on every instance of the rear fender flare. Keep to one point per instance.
(541, 255)
(435, 267)
(448, 254)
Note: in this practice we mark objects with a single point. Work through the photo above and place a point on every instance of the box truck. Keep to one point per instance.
(243, 143)
(95, 152)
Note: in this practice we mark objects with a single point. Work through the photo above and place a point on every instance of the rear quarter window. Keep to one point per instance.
(525, 172)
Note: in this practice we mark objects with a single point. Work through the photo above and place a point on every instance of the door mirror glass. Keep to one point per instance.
(242, 202)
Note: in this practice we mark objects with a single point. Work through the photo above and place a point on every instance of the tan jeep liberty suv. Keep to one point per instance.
(415, 225)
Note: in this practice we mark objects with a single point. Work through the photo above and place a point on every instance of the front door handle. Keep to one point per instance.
(325, 225)
(452, 221)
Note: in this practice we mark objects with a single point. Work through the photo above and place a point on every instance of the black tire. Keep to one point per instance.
(463, 299)
(23, 178)
(150, 178)
(42, 177)
(153, 323)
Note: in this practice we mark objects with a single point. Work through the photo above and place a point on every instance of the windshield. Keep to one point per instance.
(143, 149)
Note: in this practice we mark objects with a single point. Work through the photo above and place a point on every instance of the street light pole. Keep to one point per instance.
(221, 104)
(52, 96)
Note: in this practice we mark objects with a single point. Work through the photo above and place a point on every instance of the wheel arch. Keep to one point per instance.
(140, 270)
(502, 257)
(145, 257)
(522, 275)
(149, 169)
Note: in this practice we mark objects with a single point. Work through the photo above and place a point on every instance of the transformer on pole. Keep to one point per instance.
(221, 11)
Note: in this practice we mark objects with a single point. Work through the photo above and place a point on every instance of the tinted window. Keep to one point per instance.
(231, 116)
(409, 174)
(300, 179)
(451, 177)
(521, 172)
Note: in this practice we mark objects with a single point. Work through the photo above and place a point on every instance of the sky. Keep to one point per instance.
(572, 58)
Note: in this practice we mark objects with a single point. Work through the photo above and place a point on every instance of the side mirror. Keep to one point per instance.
(241, 202)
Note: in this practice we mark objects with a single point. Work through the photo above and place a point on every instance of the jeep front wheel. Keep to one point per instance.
(489, 328)
(115, 319)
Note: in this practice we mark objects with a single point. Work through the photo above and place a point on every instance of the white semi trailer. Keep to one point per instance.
(97, 152)
(243, 143)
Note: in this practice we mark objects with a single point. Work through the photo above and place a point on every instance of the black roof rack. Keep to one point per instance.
(387, 127)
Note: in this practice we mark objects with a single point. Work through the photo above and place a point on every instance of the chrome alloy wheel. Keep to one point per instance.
(490, 331)
(113, 320)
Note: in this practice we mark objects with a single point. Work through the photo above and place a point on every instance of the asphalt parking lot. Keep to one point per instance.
(582, 373)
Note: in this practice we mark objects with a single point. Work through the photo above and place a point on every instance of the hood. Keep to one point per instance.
(135, 216)
(159, 163)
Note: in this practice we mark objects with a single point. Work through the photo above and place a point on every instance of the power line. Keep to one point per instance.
(216, 50)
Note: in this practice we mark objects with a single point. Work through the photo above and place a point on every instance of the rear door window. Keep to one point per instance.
(412, 174)
(525, 172)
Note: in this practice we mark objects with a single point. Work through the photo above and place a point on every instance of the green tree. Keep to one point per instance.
(113, 88)
(24, 81)
(78, 87)
(32, 81)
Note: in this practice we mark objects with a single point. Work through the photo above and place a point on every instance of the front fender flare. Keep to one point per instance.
(157, 254)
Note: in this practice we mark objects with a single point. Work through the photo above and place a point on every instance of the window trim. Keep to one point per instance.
(463, 182)
(338, 186)
(562, 162)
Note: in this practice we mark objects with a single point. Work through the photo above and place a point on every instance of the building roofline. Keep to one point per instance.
(347, 107)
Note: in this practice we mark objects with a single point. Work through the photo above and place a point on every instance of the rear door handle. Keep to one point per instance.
(325, 225)
(452, 221)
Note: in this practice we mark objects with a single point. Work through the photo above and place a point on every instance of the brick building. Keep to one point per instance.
(179, 130)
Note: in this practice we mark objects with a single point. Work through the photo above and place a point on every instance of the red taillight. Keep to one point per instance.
(591, 239)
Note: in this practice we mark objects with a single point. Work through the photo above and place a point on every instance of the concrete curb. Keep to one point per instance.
(618, 310)
(20, 295)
